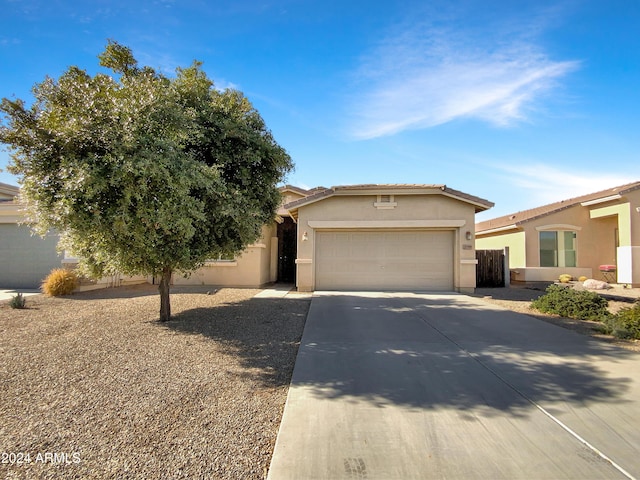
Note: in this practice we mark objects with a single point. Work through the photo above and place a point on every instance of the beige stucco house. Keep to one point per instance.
(386, 237)
(356, 237)
(575, 236)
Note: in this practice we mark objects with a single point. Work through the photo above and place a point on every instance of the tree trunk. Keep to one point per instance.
(165, 304)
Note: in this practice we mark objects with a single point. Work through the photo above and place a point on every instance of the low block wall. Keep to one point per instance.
(548, 274)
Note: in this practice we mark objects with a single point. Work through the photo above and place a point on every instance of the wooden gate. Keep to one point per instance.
(287, 251)
(490, 268)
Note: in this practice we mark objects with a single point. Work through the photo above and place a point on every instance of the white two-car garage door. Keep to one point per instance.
(384, 260)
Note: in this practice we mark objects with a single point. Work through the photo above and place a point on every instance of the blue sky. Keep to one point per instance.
(521, 102)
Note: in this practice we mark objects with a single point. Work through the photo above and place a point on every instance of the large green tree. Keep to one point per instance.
(142, 173)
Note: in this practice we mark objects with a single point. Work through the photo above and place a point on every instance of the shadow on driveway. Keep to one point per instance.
(449, 351)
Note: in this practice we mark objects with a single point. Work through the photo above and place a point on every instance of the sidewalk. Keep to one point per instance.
(6, 294)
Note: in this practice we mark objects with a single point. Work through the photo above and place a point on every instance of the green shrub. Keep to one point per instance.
(18, 301)
(625, 323)
(60, 282)
(570, 303)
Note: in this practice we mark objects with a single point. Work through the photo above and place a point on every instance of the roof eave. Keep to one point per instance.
(480, 204)
(504, 229)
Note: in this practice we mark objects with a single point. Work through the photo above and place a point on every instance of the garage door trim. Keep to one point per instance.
(384, 224)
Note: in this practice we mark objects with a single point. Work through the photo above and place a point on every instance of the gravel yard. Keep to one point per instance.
(92, 386)
(518, 299)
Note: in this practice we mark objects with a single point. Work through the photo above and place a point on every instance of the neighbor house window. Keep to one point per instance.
(223, 258)
(558, 249)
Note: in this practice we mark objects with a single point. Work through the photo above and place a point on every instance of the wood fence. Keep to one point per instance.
(490, 268)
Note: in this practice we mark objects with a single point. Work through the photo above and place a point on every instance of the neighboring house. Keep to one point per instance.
(369, 237)
(25, 259)
(574, 236)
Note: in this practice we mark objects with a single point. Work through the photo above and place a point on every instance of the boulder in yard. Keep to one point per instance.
(593, 284)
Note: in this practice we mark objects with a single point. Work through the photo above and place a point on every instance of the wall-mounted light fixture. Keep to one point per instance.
(467, 235)
(305, 237)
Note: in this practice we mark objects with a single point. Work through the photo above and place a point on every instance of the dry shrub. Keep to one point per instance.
(60, 282)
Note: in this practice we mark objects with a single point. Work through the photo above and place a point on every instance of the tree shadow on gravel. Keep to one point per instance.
(452, 353)
(263, 332)
(138, 290)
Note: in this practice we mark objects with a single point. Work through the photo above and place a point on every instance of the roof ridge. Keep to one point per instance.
(536, 212)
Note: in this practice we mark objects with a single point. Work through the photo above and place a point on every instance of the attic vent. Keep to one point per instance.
(385, 202)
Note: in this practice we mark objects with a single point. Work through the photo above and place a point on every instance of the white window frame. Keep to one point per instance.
(560, 255)
(221, 262)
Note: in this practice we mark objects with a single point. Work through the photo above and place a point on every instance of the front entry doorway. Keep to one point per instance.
(287, 251)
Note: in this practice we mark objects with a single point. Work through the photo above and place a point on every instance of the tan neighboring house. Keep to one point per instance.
(355, 237)
(25, 259)
(575, 236)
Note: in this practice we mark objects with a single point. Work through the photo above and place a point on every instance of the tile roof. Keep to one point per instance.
(321, 193)
(293, 188)
(518, 218)
(8, 191)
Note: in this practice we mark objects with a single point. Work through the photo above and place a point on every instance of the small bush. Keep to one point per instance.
(570, 303)
(625, 323)
(18, 301)
(565, 278)
(60, 282)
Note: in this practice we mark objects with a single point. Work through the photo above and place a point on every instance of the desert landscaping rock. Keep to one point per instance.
(97, 380)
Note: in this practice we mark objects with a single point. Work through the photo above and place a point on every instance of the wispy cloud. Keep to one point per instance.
(221, 85)
(432, 74)
(542, 184)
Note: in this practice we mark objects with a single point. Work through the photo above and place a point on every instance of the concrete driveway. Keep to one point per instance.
(403, 386)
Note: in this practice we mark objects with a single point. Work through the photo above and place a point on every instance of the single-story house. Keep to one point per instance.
(369, 237)
(595, 235)
(25, 259)
(386, 237)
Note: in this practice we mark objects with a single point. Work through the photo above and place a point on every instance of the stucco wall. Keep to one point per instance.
(598, 227)
(253, 268)
(595, 238)
(515, 242)
(250, 269)
(358, 211)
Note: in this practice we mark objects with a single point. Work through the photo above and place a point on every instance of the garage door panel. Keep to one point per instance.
(25, 259)
(420, 260)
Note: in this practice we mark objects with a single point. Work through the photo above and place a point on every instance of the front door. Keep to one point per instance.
(287, 251)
